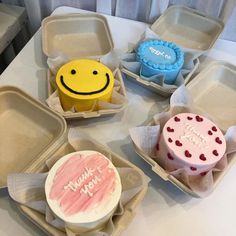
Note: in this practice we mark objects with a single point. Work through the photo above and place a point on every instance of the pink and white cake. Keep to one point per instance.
(83, 189)
(191, 142)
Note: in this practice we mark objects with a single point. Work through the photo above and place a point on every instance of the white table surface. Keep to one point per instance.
(165, 210)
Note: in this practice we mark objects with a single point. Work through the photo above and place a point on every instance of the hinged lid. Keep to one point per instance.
(188, 28)
(29, 131)
(76, 36)
(214, 92)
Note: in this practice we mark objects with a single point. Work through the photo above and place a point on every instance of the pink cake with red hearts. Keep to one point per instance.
(83, 189)
(191, 142)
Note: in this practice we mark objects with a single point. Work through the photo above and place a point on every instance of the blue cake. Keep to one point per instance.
(160, 57)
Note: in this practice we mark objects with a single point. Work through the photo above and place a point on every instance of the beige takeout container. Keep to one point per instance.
(79, 36)
(121, 222)
(213, 92)
(30, 135)
(187, 28)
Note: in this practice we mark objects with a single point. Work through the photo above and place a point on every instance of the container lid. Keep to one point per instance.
(188, 28)
(29, 131)
(214, 92)
(76, 36)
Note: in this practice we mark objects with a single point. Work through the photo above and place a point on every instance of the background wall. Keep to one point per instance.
(141, 10)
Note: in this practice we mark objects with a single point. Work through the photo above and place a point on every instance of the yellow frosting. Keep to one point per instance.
(82, 82)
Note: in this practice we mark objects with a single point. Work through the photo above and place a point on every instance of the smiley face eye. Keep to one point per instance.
(73, 72)
(95, 72)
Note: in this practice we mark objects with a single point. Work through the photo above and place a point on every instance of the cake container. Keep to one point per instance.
(79, 36)
(30, 134)
(214, 93)
(121, 222)
(187, 28)
(89, 114)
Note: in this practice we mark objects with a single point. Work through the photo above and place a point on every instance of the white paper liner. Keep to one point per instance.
(118, 99)
(145, 139)
(28, 189)
(128, 61)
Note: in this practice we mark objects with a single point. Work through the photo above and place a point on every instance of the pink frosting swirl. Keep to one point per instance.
(82, 182)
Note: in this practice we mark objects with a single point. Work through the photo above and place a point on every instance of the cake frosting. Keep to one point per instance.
(160, 57)
(83, 189)
(81, 83)
(192, 142)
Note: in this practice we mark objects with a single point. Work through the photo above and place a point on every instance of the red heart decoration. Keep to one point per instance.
(177, 119)
(214, 128)
(209, 132)
(218, 140)
(170, 140)
(203, 173)
(202, 157)
(189, 117)
(193, 168)
(187, 153)
(178, 143)
(215, 153)
(170, 129)
(199, 119)
(170, 156)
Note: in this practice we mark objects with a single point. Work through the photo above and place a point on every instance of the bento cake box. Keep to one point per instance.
(187, 28)
(213, 91)
(30, 134)
(121, 222)
(79, 36)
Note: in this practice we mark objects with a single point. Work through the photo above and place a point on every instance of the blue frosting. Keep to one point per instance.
(158, 56)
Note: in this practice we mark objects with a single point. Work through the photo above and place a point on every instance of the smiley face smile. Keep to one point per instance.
(86, 93)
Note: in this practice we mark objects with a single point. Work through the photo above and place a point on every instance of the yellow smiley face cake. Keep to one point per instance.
(82, 82)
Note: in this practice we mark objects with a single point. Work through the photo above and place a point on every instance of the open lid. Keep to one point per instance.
(76, 36)
(188, 28)
(29, 131)
(214, 93)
